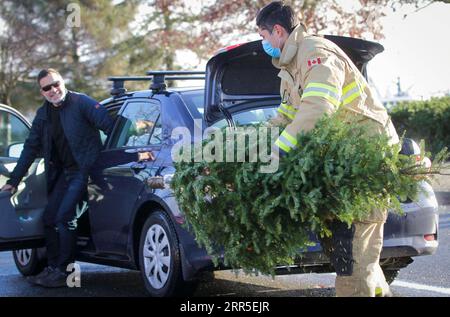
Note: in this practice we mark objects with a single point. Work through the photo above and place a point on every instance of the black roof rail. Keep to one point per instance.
(119, 89)
(158, 79)
(160, 76)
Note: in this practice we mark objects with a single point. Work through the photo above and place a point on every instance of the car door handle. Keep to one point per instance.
(137, 167)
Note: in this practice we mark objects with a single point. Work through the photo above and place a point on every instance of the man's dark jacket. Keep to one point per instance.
(81, 118)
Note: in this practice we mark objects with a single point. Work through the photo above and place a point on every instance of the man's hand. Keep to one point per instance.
(146, 156)
(9, 188)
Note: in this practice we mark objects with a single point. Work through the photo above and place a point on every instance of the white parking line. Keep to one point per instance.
(422, 287)
(416, 286)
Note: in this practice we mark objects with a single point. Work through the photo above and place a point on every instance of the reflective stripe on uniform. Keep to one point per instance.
(378, 292)
(286, 142)
(287, 110)
(332, 94)
(351, 92)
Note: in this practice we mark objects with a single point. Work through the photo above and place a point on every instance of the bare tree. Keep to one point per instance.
(39, 34)
(110, 41)
(223, 17)
(23, 45)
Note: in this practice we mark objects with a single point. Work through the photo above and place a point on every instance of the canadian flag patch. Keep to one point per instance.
(313, 62)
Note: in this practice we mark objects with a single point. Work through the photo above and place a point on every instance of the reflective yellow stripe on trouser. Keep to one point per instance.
(330, 93)
(287, 110)
(286, 142)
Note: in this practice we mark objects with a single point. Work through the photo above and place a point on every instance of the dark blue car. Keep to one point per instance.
(132, 219)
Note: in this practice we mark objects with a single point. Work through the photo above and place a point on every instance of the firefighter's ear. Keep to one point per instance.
(279, 30)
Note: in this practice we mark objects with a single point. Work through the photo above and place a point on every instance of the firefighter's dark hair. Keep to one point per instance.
(276, 12)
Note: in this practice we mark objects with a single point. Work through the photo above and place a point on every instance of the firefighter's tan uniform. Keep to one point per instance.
(317, 78)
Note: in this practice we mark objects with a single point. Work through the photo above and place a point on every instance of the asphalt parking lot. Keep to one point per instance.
(426, 277)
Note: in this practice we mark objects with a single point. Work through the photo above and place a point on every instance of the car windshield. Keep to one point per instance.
(195, 100)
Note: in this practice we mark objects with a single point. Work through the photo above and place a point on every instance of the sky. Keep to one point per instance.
(417, 49)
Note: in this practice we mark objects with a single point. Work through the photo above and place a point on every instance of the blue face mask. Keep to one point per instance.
(271, 51)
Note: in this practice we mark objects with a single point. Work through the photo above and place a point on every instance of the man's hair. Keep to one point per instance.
(276, 13)
(45, 72)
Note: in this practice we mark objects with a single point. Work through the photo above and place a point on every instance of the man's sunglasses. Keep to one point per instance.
(56, 84)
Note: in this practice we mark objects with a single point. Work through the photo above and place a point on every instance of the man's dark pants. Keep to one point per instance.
(60, 221)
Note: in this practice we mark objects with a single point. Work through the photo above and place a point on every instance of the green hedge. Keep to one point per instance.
(428, 120)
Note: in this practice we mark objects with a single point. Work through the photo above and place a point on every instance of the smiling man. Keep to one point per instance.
(65, 132)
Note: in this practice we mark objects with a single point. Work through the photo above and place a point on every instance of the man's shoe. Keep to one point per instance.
(56, 278)
(36, 279)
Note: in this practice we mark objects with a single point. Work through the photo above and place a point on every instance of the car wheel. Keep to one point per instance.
(30, 261)
(392, 266)
(390, 275)
(159, 256)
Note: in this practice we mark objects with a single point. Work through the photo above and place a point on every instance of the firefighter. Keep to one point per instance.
(317, 78)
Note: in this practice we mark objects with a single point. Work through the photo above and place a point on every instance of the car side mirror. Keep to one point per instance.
(14, 150)
(410, 147)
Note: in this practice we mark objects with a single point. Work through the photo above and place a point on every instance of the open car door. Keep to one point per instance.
(21, 223)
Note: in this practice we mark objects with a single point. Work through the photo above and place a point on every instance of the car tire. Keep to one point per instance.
(392, 266)
(30, 261)
(160, 258)
(390, 275)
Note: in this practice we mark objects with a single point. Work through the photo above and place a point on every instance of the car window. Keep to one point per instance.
(12, 131)
(139, 125)
(112, 112)
(253, 116)
(194, 100)
(156, 137)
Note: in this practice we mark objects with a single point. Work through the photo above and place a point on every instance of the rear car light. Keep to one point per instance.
(426, 162)
(429, 237)
(228, 48)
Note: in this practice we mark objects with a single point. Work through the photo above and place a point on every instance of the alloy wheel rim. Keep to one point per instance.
(157, 256)
(24, 256)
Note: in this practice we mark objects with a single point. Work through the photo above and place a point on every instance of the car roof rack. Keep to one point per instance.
(157, 78)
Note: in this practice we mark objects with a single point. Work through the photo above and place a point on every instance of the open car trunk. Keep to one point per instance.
(241, 75)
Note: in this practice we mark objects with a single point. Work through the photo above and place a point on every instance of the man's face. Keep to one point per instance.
(53, 88)
(275, 38)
